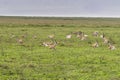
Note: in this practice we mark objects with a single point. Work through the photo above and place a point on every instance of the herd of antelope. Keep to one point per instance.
(83, 36)
(80, 35)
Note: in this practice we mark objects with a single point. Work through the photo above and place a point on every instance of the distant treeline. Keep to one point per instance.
(61, 18)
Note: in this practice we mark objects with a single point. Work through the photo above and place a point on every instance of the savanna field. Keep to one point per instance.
(24, 56)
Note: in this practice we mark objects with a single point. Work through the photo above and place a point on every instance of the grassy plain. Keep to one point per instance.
(73, 59)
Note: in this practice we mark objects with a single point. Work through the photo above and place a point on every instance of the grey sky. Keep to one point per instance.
(60, 7)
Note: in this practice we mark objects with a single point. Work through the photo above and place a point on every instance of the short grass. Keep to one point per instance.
(73, 59)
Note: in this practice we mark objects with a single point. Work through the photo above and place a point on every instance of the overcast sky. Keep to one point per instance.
(60, 8)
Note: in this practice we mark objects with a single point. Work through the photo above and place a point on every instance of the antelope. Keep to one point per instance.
(24, 35)
(51, 36)
(12, 36)
(50, 45)
(95, 33)
(20, 41)
(46, 43)
(79, 34)
(83, 36)
(34, 37)
(111, 47)
(102, 36)
(105, 40)
(53, 45)
(68, 36)
(95, 44)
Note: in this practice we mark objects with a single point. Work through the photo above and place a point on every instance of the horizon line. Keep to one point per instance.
(62, 16)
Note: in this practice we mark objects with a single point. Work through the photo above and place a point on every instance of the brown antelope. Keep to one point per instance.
(95, 44)
(105, 40)
(46, 43)
(50, 45)
(84, 36)
(51, 36)
(53, 45)
(95, 33)
(34, 37)
(20, 41)
(78, 34)
(24, 35)
(111, 47)
(12, 36)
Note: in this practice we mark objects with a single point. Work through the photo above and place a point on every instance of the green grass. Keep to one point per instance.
(73, 59)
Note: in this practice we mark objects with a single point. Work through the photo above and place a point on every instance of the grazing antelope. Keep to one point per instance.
(111, 47)
(95, 44)
(95, 33)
